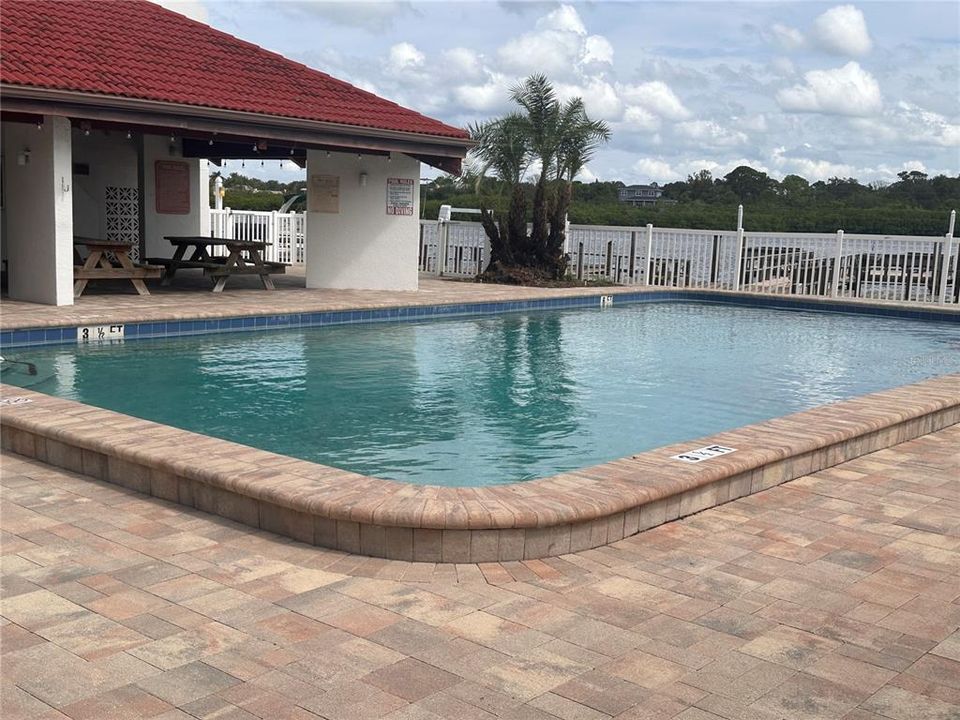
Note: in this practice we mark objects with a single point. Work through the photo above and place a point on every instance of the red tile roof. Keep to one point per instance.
(136, 49)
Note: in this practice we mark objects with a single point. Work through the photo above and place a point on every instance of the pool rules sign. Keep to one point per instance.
(400, 196)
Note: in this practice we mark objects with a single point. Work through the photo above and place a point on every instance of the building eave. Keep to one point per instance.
(208, 120)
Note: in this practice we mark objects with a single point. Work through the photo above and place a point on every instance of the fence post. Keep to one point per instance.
(274, 238)
(648, 275)
(835, 280)
(947, 250)
(443, 231)
(739, 261)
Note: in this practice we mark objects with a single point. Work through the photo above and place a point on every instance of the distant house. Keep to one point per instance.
(640, 195)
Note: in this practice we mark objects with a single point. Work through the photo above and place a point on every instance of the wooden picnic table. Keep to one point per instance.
(244, 257)
(99, 266)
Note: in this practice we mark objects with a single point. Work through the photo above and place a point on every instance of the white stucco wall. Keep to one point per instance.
(361, 246)
(158, 225)
(38, 209)
(112, 161)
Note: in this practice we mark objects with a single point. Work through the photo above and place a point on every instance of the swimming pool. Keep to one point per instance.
(501, 398)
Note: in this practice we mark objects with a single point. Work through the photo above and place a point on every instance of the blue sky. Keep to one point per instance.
(817, 89)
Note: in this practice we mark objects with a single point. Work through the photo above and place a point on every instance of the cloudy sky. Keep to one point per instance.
(818, 89)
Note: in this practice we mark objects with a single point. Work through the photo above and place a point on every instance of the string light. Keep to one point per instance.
(39, 125)
(243, 163)
(172, 138)
(328, 153)
(255, 147)
(210, 141)
(129, 134)
(291, 151)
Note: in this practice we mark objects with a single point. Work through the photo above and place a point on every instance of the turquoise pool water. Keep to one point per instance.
(500, 398)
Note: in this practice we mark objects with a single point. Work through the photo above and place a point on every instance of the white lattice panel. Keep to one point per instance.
(123, 217)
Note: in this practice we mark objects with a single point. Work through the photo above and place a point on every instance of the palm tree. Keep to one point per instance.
(579, 137)
(502, 146)
(559, 139)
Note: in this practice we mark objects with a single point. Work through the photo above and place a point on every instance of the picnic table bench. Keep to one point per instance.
(99, 266)
(244, 257)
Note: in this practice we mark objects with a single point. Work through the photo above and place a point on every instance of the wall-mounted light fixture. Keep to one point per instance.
(23, 157)
(363, 179)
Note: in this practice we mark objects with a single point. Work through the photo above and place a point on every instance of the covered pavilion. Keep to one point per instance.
(111, 111)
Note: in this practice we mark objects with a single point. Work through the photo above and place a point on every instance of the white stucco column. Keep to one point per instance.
(38, 204)
(354, 238)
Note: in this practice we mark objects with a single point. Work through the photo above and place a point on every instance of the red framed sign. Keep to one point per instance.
(172, 188)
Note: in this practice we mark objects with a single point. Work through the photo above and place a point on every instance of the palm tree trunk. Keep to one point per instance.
(538, 238)
(556, 259)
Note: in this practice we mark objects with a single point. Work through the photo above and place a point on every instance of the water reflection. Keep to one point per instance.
(502, 398)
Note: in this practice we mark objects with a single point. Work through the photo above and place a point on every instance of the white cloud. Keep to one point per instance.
(753, 123)
(550, 51)
(655, 97)
(597, 49)
(405, 56)
(842, 30)
(486, 97)
(599, 97)
(783, 66)
(636, 118)
(463, 63)
(847, 90)
(662, 171)
(374, 16)
(909, 123)
(655, 170)
(193, 9)
(565, 19)
(787, 37)
(812, 169)
(586, 175)
(711, 134)
(558, 46)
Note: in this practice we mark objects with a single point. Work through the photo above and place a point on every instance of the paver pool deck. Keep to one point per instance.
(836, 595)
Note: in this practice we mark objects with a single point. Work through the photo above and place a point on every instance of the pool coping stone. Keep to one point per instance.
(17, 331)
(568, 512)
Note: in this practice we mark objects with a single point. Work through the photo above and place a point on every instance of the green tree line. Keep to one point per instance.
(246, 193)
(916, 204)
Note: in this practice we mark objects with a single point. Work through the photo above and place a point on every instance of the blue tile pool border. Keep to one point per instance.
(414, 313)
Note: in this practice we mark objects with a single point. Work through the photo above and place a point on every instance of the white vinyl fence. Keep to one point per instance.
(878, 267)
(286, 232)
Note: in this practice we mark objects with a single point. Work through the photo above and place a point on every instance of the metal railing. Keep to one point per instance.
(878, 267)
(286, 232)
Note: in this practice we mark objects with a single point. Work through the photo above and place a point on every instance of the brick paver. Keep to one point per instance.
(836, 595)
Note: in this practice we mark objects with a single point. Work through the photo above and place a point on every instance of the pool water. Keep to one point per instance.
(501, 398)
